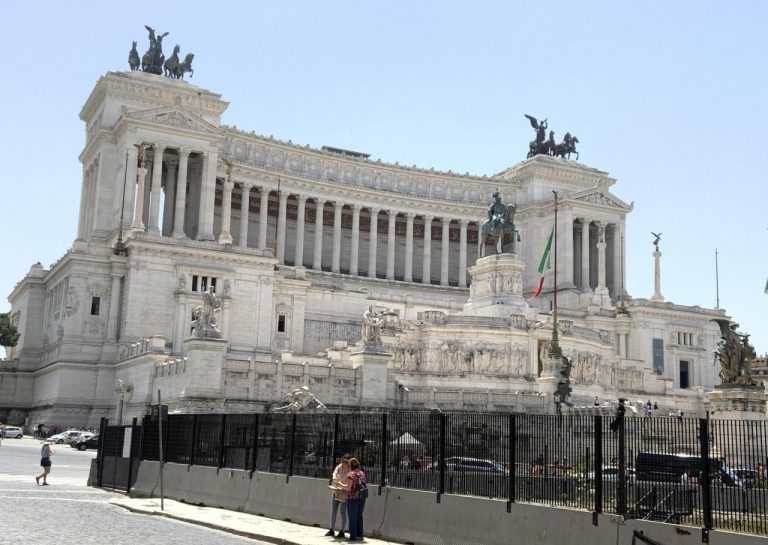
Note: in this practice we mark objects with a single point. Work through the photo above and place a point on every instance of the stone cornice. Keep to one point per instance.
(555, 169)
(154, 91)
(646, 308)
(206, 252)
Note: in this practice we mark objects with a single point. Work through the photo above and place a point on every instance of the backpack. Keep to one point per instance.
(362, 490)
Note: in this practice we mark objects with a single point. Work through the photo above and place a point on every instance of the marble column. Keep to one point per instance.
(317, 261)
(130, 186)
(354, 256)
(391, 244)
(463, 254)
(138, 216)
(263, 215)
(282, 216)
(207, 196)
(225, 237)
(657, 296)
(336, 259)
(374, 238)
(426, 267)
(298, 256)
(245, 205)
(601, 257)
(568, 254)
(170, 196)
(154, 199)
(618, 253)
(181, 194)
(445, 251)
(408, 274)
(585, 254)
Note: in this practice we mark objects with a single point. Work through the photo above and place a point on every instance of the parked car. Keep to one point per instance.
(612, 474)
(661, 467)
(13, 432)
(68, 437)
(461, 464)
(84, 444)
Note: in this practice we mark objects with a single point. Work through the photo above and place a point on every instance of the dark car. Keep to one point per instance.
(84, 444)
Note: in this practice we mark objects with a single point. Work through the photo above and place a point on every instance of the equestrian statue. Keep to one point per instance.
(154, 62)
(499, 225)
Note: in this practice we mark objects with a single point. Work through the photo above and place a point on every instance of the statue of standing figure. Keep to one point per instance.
(734, 353)
(205, 323)
(373, 323)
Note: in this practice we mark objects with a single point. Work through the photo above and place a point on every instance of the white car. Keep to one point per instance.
(68, 437)
(12, 432)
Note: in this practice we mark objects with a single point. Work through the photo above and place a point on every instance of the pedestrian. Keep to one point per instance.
(355, 501)
(45, 461)
(597, 402)
(339, 496)
(679, 415)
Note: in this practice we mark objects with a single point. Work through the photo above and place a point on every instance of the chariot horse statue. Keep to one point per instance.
(499, 225)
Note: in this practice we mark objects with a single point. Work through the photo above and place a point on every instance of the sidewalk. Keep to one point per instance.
(243, 524)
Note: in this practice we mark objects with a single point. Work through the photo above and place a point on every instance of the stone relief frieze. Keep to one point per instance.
(460, 357)
(591, 368)
(600, 198)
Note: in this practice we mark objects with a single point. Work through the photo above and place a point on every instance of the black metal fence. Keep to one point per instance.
(691, 471)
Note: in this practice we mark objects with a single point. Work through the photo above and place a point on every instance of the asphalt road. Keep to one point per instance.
(68, 512)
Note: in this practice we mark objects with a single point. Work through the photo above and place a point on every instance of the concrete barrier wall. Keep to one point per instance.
(411, 516)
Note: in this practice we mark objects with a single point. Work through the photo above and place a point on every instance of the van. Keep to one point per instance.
(669, 468)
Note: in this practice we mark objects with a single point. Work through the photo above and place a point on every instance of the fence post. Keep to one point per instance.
(293, 444)
(621, 486)
(512, 460)
(598, 464)
(192, 447)
(103, 435)
(335, 443)
(130, 455)
(441, 487)
(706, 490)
(383, 452)
(222, 438)
(254, 455)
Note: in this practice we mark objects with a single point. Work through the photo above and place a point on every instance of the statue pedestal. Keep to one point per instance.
(552, 384)
(373, 368)
(738, 402)
(203, 377)
(497, 287)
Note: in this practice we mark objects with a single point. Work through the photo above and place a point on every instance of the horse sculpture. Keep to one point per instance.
(566, 147)
(133, 58)
(499, 225)
(184, 66)
(170, 65)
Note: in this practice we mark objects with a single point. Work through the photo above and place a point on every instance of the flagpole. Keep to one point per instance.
(717, 283)
(555, 346)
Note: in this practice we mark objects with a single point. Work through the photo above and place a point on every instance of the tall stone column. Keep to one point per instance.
(130, 186)
(372, 244)
(657, 296)
(463, 254)
(282, 216)
(225, 237)
(444, 251)
(618, 255)
(336, 258)
(181, 195)
(426, 267)
(568, 254)
(245, 205)
(207, 196)
(298, 256)
(408, 273)
(354, 256)
(154, 199)
(138, 216)
(601, 256)
(391, 244)
(317, 261)
(263, 215)
(585, 255)
(170, 196)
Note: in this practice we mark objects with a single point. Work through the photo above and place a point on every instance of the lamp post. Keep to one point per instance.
(554, 347)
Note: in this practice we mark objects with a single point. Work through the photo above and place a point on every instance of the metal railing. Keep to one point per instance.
(688, 471)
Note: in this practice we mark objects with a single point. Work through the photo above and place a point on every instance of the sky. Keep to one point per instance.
(669, 98)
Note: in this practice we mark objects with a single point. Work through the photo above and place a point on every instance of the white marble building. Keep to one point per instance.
(298, 242)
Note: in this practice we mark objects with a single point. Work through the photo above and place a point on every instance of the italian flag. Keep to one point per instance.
(544, 264)
(766, 287)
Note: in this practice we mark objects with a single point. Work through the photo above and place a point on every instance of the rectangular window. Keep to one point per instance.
(685, 377)
(95, 305)
(281, 324)
(658, 356)
(194, 282)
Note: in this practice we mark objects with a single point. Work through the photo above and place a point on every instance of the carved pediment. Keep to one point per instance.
(175, 117)
(604, 199)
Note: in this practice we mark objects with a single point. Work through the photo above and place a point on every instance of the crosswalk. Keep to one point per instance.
(30, 480)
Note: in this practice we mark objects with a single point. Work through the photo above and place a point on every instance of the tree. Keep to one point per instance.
(9, 335)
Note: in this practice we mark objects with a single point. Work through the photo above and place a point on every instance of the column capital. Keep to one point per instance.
(302, 198)
(158, 147)
(410, 216)
(356, 207)
(374, 210)
(284, 196)
(428, 218)
(464, 222)
(246, 186)
(446, 220)
(183, 151)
